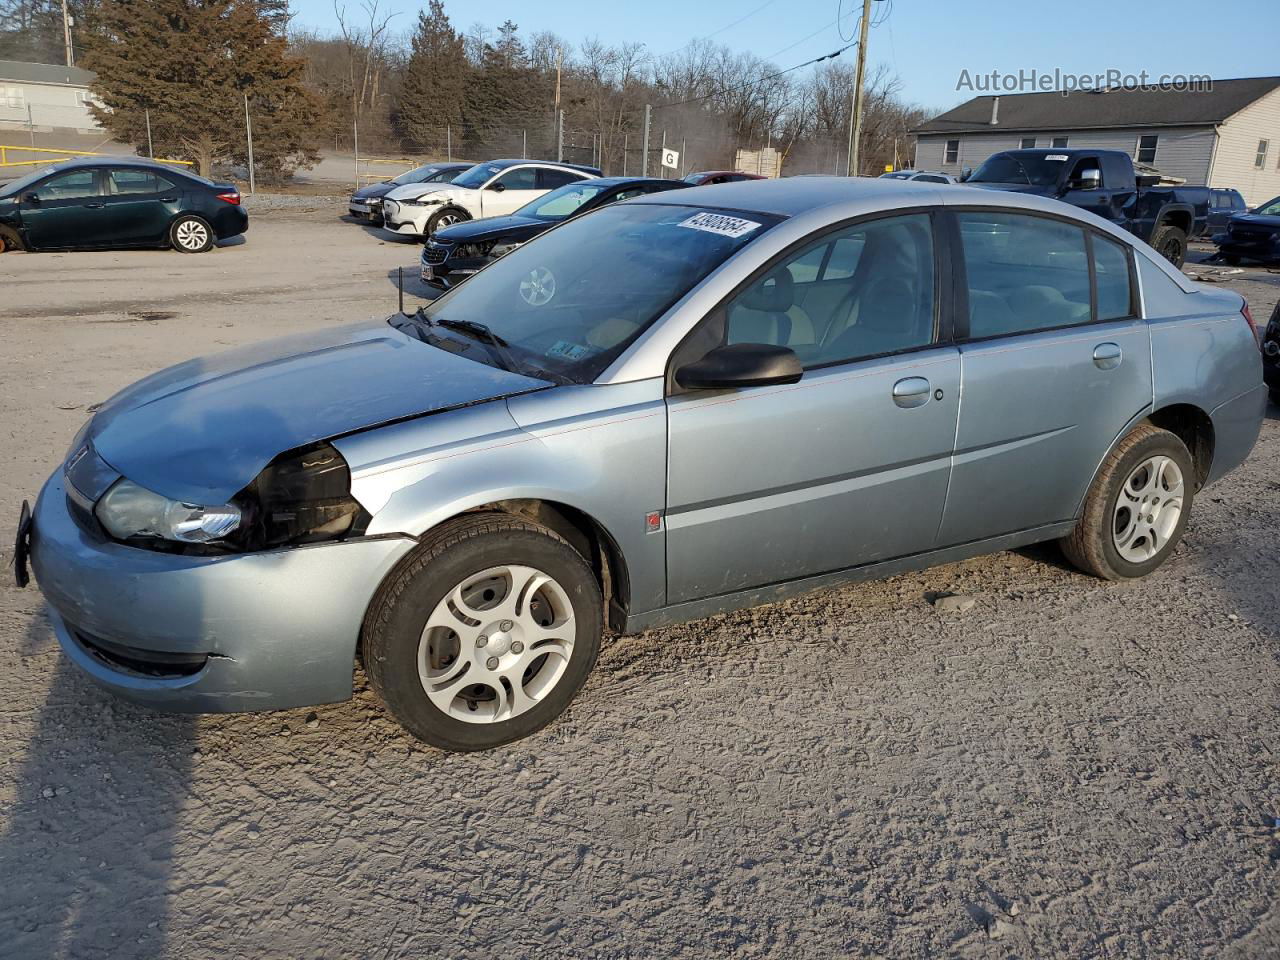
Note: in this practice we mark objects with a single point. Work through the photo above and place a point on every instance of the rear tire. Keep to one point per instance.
(484, 634)
(445, 217)
(190, 234)
(1171, 243)
(1137, 509)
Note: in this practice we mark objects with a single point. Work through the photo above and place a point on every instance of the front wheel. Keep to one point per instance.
(1137, 509)
(446, 217)
(191, 234)
(1171, 243)
(485, 634)
(9, 240)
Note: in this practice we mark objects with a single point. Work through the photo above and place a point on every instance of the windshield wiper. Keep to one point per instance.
(499, 347)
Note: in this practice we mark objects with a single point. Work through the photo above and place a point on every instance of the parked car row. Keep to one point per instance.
(661, 407)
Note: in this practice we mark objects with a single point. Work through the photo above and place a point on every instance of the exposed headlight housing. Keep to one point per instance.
(130, 512)
(421, 202)
(503, 247)
(302, 496)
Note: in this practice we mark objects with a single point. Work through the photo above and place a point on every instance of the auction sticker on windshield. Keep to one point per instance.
(732, 227)
(1057, 156)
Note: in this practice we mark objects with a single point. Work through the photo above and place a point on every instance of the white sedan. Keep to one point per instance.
(492, 189)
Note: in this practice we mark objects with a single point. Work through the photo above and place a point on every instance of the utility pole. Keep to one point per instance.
(557, 122)
(624, 153)
(855, 122)
(448, 139)
(355, 144)
(248, 132)
(644, 157)
(66, 34)
(560, 137)
(524, 144)
(151, 150)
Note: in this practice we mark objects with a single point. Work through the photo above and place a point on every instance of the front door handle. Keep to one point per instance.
(911, 392)
(93, 206)
(1107, 356)
(168, 199)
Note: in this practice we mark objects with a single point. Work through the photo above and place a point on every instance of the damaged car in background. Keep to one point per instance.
(687, 403)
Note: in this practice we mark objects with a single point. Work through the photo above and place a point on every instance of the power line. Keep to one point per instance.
(779, 53)
(752, 83)
(716, 33)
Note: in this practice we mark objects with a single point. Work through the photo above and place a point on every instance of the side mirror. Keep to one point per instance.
(965, 174)
(1090, 179)
(497, 187)
(741, 365)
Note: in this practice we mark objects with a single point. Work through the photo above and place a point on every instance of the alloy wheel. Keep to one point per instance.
(497, 644)
(1147, 510)
(192, 235)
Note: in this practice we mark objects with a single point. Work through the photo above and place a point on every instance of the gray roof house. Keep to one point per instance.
(45, 96)
(1227, 135)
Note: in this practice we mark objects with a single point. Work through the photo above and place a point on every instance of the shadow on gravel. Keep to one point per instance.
(413, 285)
(89, 844)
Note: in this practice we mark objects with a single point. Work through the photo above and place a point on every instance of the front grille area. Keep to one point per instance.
(145, 663)
(433, 254)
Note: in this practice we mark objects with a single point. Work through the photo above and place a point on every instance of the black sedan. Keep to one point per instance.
(105, 202)
(1252, 236)
(366, 203)
(454, 253)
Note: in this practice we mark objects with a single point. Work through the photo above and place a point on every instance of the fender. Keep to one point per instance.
(600, 450)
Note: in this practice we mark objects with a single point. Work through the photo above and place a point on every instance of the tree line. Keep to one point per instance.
(187, 67)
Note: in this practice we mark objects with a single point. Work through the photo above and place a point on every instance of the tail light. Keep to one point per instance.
(1248, 318)
(231, 196)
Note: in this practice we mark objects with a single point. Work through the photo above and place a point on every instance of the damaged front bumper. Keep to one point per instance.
(207, 634)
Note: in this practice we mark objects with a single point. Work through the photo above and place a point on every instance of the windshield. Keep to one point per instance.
(1040, 171)
(14, 186)
(895, 176)
(420, 175)
(568, 303)
(559, 204)
(1270, 209)
(477, 176)
(694, 178)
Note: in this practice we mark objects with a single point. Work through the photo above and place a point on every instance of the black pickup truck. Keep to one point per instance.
(1105, 183)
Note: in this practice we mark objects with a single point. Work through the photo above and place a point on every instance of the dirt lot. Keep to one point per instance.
(1070, 768)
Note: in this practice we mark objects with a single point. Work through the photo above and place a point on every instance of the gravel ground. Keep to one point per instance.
(1068, 768)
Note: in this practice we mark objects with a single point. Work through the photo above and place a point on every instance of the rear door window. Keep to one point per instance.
(1025, 273)
(549, 179)
(124, 180)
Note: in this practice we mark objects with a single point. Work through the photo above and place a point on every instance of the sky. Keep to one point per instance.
(931, 45)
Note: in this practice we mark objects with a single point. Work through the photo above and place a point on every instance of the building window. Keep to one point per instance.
(1147, 148)
(1028, 143)
(1059, 143)
(12, 97)
(952, 154)
(1260, 160)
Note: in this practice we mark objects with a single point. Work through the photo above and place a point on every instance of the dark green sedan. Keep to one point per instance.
(106, 202)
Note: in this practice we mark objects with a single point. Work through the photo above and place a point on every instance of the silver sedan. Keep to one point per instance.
(664, 409)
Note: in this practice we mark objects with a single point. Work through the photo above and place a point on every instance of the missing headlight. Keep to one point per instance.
(303, 496)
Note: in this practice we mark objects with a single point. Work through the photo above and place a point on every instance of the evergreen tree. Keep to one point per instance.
(191, 63)
(435, 80)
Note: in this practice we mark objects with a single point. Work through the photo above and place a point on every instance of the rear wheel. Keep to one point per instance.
(446, 217)
(191, 234)
(1137, 509)
(485, 634)
(1171, 243)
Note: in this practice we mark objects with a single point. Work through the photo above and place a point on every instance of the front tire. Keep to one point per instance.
(445, 217)
(1171, 243)
(190, 234)
(10, 242)
(484, 634)
(1137, 509)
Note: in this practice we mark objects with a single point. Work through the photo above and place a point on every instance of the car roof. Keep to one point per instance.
(614, 181)
(114, 161)
(541, 163)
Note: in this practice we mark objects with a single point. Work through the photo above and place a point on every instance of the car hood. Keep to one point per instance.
(1255, 220)
(375, 190)
(416, 191)
(493, 228)
(202, 430)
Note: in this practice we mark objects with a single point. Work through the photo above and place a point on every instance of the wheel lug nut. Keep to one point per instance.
(492, 663)
(517, 647)
(506, 624)
(481, 641)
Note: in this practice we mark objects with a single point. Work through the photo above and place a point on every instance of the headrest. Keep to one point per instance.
(773, 293)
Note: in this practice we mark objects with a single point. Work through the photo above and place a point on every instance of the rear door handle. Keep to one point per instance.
(911, 392)
(1107, 356)
(168, 199)
(93, 206)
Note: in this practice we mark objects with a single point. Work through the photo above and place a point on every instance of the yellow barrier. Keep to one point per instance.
(61, 156)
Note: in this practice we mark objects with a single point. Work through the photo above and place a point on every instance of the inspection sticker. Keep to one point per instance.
(718, 223)
(1057, 156)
